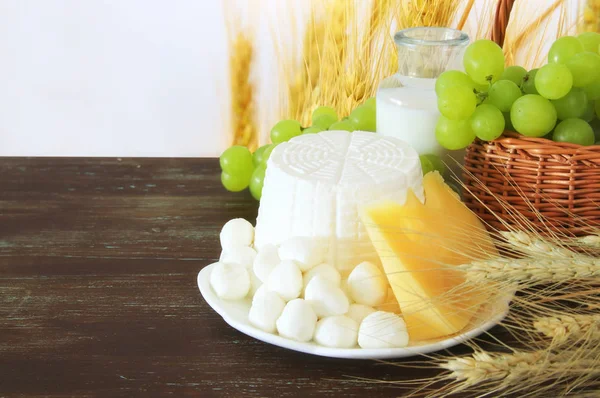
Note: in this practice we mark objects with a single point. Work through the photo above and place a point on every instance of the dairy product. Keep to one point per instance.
(315, 184)
(420, 244)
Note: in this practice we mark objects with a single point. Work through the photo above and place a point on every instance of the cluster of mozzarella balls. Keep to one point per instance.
(296, 294)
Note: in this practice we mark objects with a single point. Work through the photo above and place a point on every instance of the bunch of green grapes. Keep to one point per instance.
(241, 169)
(560, 100)
(362, 118)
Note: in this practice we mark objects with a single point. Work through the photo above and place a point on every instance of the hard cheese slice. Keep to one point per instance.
(419, 246)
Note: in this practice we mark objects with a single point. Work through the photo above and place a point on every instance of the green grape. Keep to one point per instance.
(457, 102)
(426, 165)
(528, 85)
(258, 155)
(593, 90)
(345, 125)
(575, 131)
(363, 117)
(435, 162)
(487, 122)
(503, 94)
(325, 110)
(453, 134)
(585, 68)
(451, 78)
(597, 109)
(484, 61)
(482, 88)
(553, 81)
(312, 130)
(533, 115)
(234, 183)
(589, 40)
(507, 122)
(285, 130)
(371, 102)
(563, 49)
(257, 181)
(236, 160)
(589, 114)
(571, 105)
(515, 74)
(324, 121)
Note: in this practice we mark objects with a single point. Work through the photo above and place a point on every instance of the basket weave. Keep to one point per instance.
(555, 186)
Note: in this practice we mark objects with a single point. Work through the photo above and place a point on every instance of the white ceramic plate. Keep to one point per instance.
(235, 313)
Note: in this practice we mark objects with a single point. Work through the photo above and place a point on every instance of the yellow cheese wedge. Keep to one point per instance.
(419, 246)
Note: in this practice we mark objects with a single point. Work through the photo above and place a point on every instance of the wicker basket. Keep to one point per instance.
(554, 186)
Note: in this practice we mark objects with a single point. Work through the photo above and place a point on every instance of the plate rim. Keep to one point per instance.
(203, 281)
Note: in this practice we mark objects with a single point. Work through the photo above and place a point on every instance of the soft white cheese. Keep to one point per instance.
(382, 330)
(315, 185)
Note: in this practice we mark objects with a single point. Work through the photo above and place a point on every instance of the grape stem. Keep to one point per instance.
(481, 96)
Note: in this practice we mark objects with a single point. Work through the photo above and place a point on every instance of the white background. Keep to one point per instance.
(118, 77)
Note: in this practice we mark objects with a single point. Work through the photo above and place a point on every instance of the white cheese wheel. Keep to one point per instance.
(306, 252)
(315, 185)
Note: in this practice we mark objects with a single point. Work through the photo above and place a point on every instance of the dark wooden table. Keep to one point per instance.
(98, 295)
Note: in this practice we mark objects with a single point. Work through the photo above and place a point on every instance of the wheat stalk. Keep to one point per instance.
(591, 241)
(534, 245)
(300, 91)
(519, 367)
(569, 327)
(242, 91)
(591, 16)
(532, 270)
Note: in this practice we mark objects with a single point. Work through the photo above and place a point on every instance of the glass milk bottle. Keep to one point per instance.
(406, 101)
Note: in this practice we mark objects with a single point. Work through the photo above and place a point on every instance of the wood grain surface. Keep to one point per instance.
(98, 295)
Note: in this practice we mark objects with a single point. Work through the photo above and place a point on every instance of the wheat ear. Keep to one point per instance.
(531, 270)
(569, 327)
(509, 368)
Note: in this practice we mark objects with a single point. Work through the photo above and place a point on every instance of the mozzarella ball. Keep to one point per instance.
(230, 281)
(337, 331)
(306, 252)
(367, 284)
(382, 330)
(236, 232)
(326, 271)
(266, 259)
(286, 280)
(358, 312)
(266, 308)
(326, 298)
(297, 321)
(242, 255)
